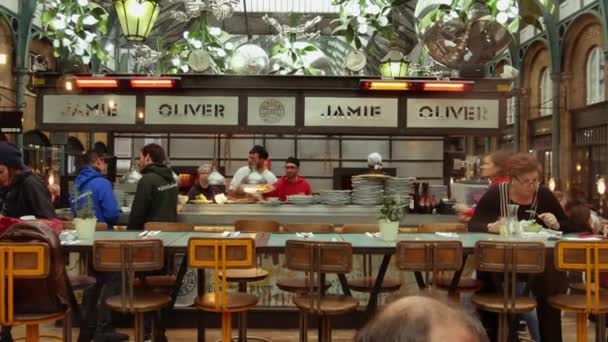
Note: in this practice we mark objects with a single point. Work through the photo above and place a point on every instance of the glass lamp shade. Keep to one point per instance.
(136, 17)
(394, 64)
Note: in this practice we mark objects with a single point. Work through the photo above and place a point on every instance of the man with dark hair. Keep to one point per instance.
(91, 182)
(291, 183)
(420, 318)
(256, 163)
(156, 196)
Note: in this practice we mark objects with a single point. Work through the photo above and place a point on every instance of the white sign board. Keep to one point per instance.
(452, 113)
(271, 111)
(351, 111)
(192, 110)
(89, 109)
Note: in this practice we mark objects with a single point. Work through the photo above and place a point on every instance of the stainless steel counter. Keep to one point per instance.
(213, 214)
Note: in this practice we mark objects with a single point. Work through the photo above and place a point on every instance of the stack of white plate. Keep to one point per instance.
(300, 199)
(335, 197)
(399, 188)
(367, 191)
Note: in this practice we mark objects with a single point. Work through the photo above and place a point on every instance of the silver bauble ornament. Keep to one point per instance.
(249, 59)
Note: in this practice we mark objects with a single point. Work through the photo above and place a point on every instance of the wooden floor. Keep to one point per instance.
(291, 335)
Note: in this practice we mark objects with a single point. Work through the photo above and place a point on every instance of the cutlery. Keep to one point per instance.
(142, 234)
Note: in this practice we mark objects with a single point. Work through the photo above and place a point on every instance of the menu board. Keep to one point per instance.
(107, 109)
(192, 110)
(350, 112)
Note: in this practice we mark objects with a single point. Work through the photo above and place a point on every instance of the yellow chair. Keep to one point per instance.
(591, 258)
(128, 257)
(26, 260)
(221, 255)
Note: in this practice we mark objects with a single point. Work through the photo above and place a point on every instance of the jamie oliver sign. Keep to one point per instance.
(452, 113)
(192, 110)
(88, 109)
(350, 111)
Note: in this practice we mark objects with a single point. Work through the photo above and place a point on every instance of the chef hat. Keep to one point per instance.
(374, 160)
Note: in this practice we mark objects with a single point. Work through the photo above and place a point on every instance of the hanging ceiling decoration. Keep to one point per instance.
(137, 17)
(221, 9)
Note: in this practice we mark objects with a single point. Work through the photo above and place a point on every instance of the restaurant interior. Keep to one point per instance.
(303, 170)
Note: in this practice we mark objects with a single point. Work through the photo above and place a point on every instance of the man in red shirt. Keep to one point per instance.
(291, 183)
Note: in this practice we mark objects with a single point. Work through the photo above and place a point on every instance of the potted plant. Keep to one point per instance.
(85, 219)
(391, 213)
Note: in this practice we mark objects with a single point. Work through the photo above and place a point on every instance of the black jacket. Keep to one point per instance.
(27, 196)
(155, 199)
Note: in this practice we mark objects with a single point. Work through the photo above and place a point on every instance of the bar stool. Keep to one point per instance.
(32, 261)
(300, 284)
(317, 258)
(128, 257)
(366, 283)
(508, 259)
(244, 276)
(221, 255)
(429, 257)
(444, 279)
(589, 257)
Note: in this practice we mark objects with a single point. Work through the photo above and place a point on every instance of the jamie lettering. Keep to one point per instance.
(361, 111)
(206, 109)
(84, 110)
(466, 113)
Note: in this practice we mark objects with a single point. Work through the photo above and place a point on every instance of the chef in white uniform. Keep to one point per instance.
(255, 172)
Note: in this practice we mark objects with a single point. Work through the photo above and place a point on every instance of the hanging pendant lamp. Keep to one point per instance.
(137, 17)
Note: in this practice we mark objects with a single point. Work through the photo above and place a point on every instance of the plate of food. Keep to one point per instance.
(258, 188)
(239, 201)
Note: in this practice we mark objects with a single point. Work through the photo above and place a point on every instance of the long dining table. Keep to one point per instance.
(177, 242)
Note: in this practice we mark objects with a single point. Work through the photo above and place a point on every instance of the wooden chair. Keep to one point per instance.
(591, 258)
(221, 255)
(429, 257)
(128, 257)
(508, 259)
(257, 226)
(308, 228)
(317, 258)
(164, 282)
(444, 279)
(27, 260)
(300, 284)
(366, 283)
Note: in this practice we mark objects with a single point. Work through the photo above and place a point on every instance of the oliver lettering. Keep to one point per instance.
(194, 110)
(466, 113)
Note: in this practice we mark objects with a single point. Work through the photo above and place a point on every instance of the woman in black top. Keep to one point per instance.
(535, 202)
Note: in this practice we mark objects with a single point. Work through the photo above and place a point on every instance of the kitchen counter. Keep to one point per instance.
(214, 214)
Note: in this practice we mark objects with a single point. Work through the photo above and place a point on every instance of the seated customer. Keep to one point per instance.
(202, 186)
(419, 318)
(291, 183)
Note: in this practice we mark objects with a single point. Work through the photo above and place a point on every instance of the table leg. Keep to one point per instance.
(419, 280)
(455, 281)
(600, 328)
(373, 296)
(201, 314)
(344, 284)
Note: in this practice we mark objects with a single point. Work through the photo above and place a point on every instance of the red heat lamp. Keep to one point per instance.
(96, 82)
(152, 83)
(422, 86)
(109, 83)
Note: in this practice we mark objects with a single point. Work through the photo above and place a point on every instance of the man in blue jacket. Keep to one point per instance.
(91, 182)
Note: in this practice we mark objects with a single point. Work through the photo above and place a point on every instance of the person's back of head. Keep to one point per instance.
(155, 152)
(580, 216)
(422, 319)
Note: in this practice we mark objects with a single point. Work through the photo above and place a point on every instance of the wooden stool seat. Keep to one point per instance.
(235, 301)
(237, 275)
(464, 284)
(297, 285)
(142, 302)
(327, 305)
(576, 303)
(366, 284)
(82, 281)
(495, 303)
(38, 318)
